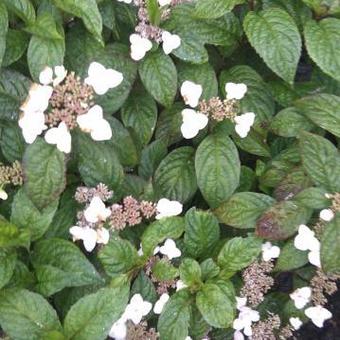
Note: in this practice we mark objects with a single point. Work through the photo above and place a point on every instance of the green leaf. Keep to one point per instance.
(323, 110)
(3, 30)
(13, 91)
(44, 52)
(238, 253)
(98, 162)
(243, 209)
(12, 142)
(210, 9)
(169, 123)
(44, 170)
(209, 269)
(140, 113)
(154, 12)
(58, 264)
(25, 315)
(330, 255)
(159, 76)
(173, 323)
(87, 10)
(202, 74)
(123, 143)
(25, 215)
(145, 287)
(175, 175)
(190, 273)
(322, 42)
(8, 259)
(93, 315)
(22, 277)
(290, 122)
(163, 270)
(11, 235)
(321, 161)
(209, 302)
(202, 232)
(45, 27)
(22, 8)
(313, 198)
(276, 38)
(290, 258)
(158, 231)
(254, 143)
(65, 216)
(16, 45)
(217, 168)
(118, 256)
(282, 220)
(196, 33)
(151, 156)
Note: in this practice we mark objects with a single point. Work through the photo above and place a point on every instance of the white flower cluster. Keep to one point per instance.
(32, 121)
(306, 240)
(317, 314)
(194, 121)
(95, 212)
(246, 317)
(140, 45)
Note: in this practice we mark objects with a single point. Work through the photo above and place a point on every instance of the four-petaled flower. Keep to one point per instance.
(301, 297)
(102, 79)
(269, 251)
(59, 136)
(167, 208)
(139, 46)
(96, 211)
(160, 303)
(170, 42)
(90, 236)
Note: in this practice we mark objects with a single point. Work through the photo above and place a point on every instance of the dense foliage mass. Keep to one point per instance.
(169, 169)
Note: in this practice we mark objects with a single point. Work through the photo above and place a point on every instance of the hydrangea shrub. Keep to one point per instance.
(169, 169)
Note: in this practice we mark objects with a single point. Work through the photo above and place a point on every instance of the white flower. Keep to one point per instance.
(166, 208)
(46, 76)
(164, 2)
(243, 123)
(102, 79)
(103, 235)
(86, 234)
(305, 239)
(32, 125)
(169, 249)
(314, 257)
(296, 323)
(188, 338)
(59, 136)
(38, 98)
(3, 194)
(193, 122)
(96, 211)
(269, 251)
(139, 46)
(60, 73)
(137, 308)
(160, 303)
(241, 302)
(301, 297)
(238, 335)
(245, 318)
(326, 215)
(318, 315)
(170, 42)
(125, 1)
(180, 285)
(93, 122)
(191, 93)
(118, 330)
(235, 91)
